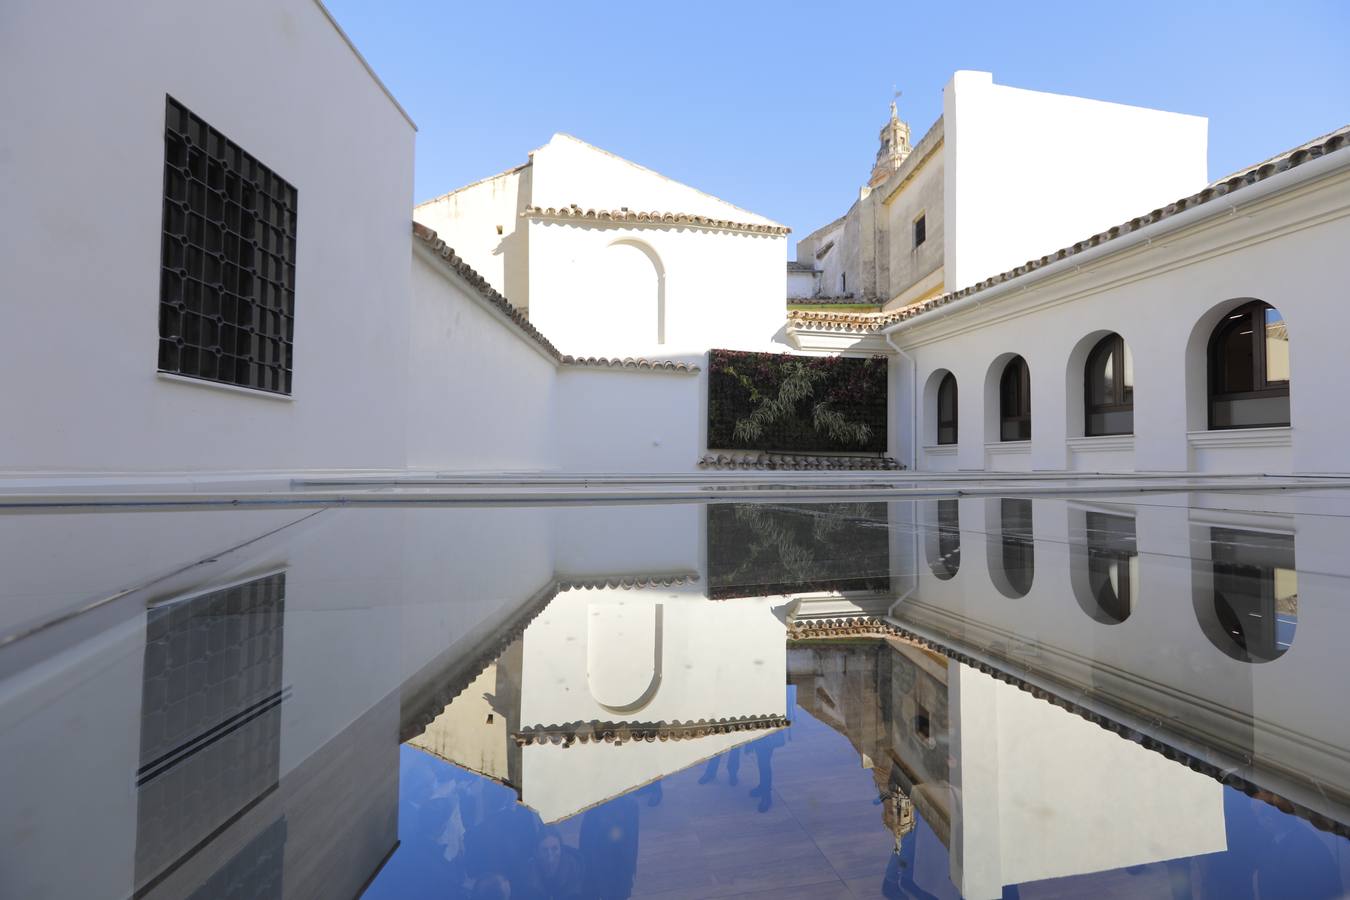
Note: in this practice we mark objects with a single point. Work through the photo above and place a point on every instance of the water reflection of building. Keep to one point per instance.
(609, 689)
(1013, 789)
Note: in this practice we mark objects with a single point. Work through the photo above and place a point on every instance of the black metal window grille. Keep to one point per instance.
(227, 263)
(920, 229)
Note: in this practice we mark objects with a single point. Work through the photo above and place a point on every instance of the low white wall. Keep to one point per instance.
(481, 394)
(630, 421)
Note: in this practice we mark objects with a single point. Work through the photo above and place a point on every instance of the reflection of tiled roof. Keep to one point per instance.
(870, 626)
(795, 461)
(863, 323)
(633, 217)
(627, 582)
(624, 732)
(517, 318)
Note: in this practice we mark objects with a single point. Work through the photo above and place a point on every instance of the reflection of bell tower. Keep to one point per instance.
(894, 147)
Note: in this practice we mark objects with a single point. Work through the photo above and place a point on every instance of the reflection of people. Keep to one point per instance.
(503, 842)
(733, 767)
(555, 871)
(764, 748)
(899, 878)
(491, 887)
(609, 848)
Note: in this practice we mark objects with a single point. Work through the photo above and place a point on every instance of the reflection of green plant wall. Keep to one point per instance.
(758, 549)
(773, 401)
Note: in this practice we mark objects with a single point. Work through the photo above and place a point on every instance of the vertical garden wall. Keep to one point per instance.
(779, 402)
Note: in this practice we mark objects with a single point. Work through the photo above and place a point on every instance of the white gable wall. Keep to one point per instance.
(1030, 172)
(82, 181)
(469, 220)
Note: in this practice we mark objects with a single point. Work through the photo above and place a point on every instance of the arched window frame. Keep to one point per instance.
(1114, 413)
(1251, 315)
(1014, 401)
(944, 539)
(947, 399)
(1017, 555)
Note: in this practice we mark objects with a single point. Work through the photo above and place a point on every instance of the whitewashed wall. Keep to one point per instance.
(482, 222)
(1031, 172)
(481, 395)
(630, 421)
(1164, 299)
(82, 172)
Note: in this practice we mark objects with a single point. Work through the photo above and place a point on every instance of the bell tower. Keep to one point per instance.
(894, 147)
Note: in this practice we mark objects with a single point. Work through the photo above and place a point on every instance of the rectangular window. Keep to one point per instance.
(227, 263)
(920, 229)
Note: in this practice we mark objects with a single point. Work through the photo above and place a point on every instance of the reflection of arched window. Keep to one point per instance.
(1108, 388)
(943, 543)
(1254, 600)
(1249, 369)
(1112, 586)
(946, 410)
(1017, 553)
(1014, 401)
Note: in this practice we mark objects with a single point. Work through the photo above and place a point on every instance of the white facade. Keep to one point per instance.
(560, 237)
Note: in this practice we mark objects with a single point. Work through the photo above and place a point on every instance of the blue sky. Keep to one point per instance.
(775, 106)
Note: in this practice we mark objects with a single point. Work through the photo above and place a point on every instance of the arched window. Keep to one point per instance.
(946, 410)
(1017, 551)
(1108, 388)
(1014, 401)
(1249, 369)
(1253, 605)
(1112, 568)
(943, 543)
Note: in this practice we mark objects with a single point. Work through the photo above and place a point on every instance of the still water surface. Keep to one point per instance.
(982, 697)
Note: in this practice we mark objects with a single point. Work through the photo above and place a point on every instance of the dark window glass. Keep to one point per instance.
(943, 542)
(227, 261)
(1113, 566)
(920, 230)
(1255, 593)
(1018, 554)
(1015, 401)
(1108, 388)
(946, 410)
(1249, 369)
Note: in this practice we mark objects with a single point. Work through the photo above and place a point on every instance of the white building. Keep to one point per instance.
(611, 259)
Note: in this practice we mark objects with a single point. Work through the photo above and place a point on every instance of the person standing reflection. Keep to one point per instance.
(609, 848)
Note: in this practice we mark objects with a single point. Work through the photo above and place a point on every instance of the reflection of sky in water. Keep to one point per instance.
(791, 811)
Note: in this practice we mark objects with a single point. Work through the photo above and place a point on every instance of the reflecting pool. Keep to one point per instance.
(1137, 695)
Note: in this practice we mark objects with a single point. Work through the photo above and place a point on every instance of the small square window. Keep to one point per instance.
(227, 260)
(920, 229)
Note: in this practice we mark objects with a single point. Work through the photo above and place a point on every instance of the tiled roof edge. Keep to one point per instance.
(863, 323)
(624, 732)
(631, 364)
(634, 217)
(870, 626)
(465, 271)
(796, 462)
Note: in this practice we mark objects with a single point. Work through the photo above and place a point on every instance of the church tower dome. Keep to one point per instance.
(894, 147)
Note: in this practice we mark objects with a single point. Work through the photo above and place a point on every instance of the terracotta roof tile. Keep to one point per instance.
(640, 363)
(627, 216)
(864, 323)
(625, 732)
(796, 462)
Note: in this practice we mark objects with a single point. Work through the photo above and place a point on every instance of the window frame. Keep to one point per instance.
(920, 229)
(1255, 311)
(227, 274)
(948, 381)
(1021, 417)
(1111, 344)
